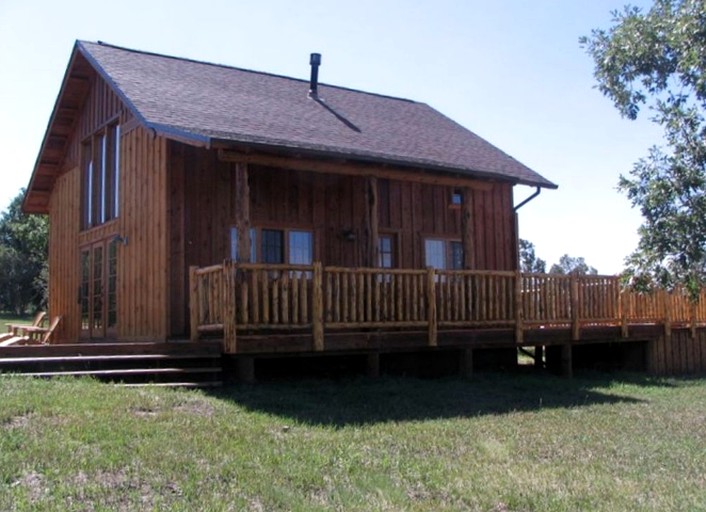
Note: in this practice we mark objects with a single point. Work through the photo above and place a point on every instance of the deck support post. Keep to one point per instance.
(539, 356)
(466, 363)
(431, 306)
(242, 211)
(371, 221)
(519, 328)
(193, 304)
(318, 307)
(246, 369)
(373, 365)
(229, 308)
(567, 369)
(575, 320)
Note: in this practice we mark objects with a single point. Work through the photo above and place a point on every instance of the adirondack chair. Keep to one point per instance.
(32, 335)
(13, 330)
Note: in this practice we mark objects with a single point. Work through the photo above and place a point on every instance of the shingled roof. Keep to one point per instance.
(214, 104)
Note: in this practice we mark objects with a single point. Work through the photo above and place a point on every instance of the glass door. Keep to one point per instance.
(98, 290)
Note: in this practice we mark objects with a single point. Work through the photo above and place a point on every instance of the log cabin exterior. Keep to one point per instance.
(152, 165)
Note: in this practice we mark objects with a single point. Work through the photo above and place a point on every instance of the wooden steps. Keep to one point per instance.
(176, 364)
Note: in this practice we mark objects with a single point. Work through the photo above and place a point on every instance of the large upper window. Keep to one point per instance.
(101, 177)
(443, 254)
(386, 251)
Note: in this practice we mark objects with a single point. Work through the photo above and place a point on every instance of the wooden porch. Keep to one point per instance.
(259, 309)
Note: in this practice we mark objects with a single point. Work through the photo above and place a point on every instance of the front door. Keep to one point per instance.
(98, 297)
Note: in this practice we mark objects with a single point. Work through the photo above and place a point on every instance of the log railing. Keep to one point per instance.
(261, 298)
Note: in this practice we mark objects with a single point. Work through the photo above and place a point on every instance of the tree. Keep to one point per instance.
(656, 59)
(528, 259)
(23, 258)
(570, 265)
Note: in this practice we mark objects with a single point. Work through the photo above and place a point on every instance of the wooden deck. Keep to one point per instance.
(261, 310)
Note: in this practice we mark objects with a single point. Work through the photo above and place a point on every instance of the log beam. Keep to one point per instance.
(242, 212)
(352, 169)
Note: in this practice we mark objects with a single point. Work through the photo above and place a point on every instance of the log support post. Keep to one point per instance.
(567, 366)
(373, 365)
(371, 221)
(467, 232)
(318, 307)
(466, 363)
(431, 306)
(194, 302)
(519, 327)
(575, 305)
(539, 357)
(242, 211)
(246, 369)
(229, 308)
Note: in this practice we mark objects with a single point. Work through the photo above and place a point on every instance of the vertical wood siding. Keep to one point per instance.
(143, 312)
(143, 264)
(64, 214)
(683, 354)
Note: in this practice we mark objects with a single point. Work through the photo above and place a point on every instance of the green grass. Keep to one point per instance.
(496, 443)
(7, 318)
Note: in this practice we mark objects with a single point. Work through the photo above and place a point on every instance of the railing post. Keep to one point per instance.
(317, 319)
(519, 328)
(228, 308)
(575, 322)
(431, 306)
(667, 305)
(624, 297)
(194, 302)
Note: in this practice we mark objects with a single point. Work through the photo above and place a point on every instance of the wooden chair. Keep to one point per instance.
(13, 330)
(32, 335)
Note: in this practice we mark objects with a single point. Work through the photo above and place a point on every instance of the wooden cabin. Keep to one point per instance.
(154, 165)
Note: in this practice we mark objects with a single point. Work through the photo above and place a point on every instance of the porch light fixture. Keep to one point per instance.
(120, 239)
(349, 235)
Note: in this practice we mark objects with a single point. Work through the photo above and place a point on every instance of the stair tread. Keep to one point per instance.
(126, 371)
(119, 357)
(205, 384)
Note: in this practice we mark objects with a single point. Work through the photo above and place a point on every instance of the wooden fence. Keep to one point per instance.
(261, 298)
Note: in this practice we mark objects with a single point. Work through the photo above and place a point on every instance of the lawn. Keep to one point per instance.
(7, 318)
(495, 443)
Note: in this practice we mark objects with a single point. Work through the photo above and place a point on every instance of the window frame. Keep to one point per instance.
(448, 244)
(100, 175)
(256, 239)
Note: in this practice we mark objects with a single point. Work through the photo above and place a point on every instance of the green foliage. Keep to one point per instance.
(657, 59)
(23, 259)
(570, 265)
(529, 262)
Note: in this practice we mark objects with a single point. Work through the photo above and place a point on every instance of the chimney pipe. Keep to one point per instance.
(315, 62)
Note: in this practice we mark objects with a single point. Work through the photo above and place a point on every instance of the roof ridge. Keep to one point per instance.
(245, 70)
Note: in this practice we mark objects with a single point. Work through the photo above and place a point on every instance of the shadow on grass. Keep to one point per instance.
(365, 401)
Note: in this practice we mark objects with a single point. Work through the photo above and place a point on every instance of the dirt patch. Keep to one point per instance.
(145, 412)
(196, 407)
(34, 483)
(18, 421)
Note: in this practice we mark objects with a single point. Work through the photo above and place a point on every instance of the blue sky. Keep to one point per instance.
(512, 71)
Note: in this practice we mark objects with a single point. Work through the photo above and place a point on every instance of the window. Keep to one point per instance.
(443, 254)
(386, 257)
(300, 248)
(456, 198)
(292, 246)
(101, 177)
